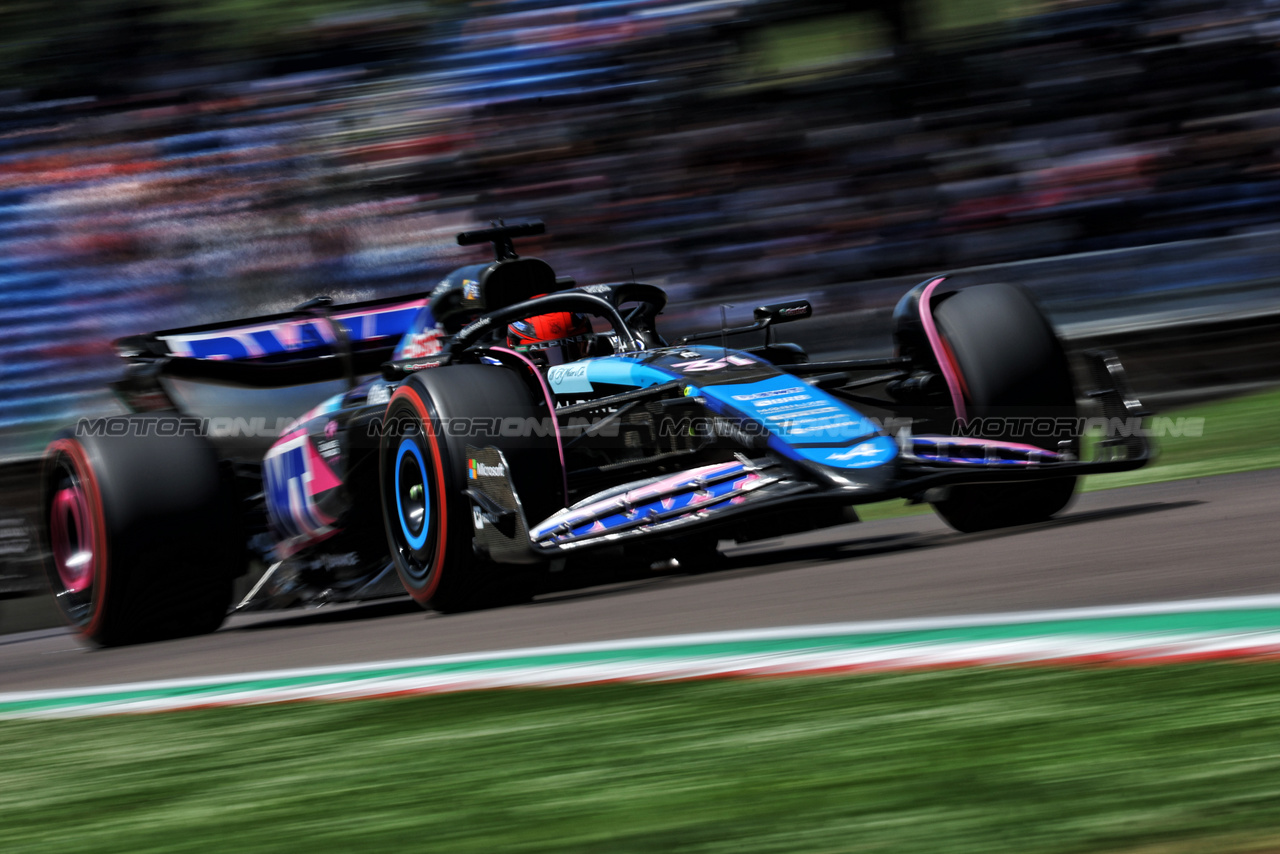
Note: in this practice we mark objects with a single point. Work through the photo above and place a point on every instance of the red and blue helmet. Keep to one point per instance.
(552, 339)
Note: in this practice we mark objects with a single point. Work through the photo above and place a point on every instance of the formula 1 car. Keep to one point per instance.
(435, 455)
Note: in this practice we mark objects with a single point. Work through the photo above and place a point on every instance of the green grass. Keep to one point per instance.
(810, 44)
(1182, 758)
(1240, 434)
(814, 42)
(940, 16)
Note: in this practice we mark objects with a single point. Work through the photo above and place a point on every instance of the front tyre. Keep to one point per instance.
(1010, 365)
(427, 515)
(416, 504)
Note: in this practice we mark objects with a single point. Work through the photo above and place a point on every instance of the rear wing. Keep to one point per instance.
(300, 334)
(315, 343)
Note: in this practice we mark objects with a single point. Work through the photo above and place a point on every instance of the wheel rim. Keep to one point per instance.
(73, 542)
(72, 535)
(413, 494)
(415, 510)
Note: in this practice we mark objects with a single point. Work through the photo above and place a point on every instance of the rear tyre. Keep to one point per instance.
(426, 512)
(142, 532)
(1011, 366)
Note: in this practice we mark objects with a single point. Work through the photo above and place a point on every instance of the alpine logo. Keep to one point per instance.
(857, 452)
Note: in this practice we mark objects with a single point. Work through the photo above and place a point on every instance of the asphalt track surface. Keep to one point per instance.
(1181, 540)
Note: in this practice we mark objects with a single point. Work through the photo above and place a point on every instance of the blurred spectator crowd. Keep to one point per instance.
(653, 142)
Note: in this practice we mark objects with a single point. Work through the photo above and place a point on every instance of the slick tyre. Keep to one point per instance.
(1011, 366)
(142, 532)
(427, 515)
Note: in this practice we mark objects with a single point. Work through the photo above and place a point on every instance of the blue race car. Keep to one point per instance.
(462, 443)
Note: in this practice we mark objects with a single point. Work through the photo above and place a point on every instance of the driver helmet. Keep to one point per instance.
(552, 339)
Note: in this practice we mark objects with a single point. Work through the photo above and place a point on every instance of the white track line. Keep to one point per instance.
(817, 632)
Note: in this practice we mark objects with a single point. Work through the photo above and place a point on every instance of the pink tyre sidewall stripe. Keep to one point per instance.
(939, 347)
(551, 413)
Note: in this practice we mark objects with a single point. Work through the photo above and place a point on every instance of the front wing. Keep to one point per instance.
(724, 493)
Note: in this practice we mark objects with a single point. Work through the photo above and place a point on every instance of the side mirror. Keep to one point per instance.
(784, 312)
(765, 318)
